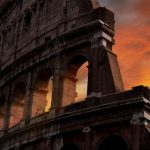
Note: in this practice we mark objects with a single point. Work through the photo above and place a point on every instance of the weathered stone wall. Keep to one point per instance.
(87, 124)
(49, 40)
(90, 39)
(27, 24)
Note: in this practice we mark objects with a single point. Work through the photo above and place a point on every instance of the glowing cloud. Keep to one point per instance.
(132, 39)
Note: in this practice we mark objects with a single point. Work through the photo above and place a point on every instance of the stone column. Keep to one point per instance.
(48, 144)
(87, 137)
(28, 99)
(7, 109)
(136, 136)
(104, 73)
(62, 16)
(57, 92)
(57, 143)
(136, 130)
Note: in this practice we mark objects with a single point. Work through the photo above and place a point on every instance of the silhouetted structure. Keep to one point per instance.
(43, 44)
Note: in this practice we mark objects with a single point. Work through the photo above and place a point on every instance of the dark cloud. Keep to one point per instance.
(124, 10)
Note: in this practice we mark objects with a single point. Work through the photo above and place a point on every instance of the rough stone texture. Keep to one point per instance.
(48, 40)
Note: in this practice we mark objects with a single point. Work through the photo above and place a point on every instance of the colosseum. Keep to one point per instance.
(43, 46)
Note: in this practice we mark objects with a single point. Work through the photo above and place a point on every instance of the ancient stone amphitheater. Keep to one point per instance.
(43, 44)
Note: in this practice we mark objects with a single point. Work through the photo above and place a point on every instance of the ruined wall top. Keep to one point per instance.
(26, 24)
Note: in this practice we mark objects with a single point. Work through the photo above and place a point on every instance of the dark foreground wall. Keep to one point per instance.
(117, 121)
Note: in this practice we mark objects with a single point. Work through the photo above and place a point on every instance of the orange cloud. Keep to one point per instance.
(134, 62)
(133, 48)
(132, 39)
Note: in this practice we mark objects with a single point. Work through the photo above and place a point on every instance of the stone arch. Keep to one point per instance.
(2, 110)
(42, 92)
(17, 103)
(115, 142)
(71, 79)
(69, 147)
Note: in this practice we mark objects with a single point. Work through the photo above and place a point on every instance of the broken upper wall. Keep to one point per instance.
(27, 24)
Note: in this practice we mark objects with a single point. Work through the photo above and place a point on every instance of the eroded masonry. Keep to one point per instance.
(48, 50)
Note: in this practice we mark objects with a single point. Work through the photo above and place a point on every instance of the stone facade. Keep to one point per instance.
(43, 43)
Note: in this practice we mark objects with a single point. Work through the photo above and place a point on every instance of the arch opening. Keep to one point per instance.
(113, 143)
(69, 147)
(42, 94)
(17, 105)
(82, 80)
(75, 81)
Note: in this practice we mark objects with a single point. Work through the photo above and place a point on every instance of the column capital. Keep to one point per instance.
(100, 39)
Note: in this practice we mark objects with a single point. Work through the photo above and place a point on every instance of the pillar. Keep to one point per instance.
(7, 109)
(57, 92)
(2, 113)
(57, 143)
(136, 130)
(88, 138)
(136, 136)
(28, 99)
(104, 73)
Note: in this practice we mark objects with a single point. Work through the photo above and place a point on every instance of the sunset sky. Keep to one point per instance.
(132, 39)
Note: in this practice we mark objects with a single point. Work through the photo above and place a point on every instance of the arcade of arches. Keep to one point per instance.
(113, 142)
(74, 90)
